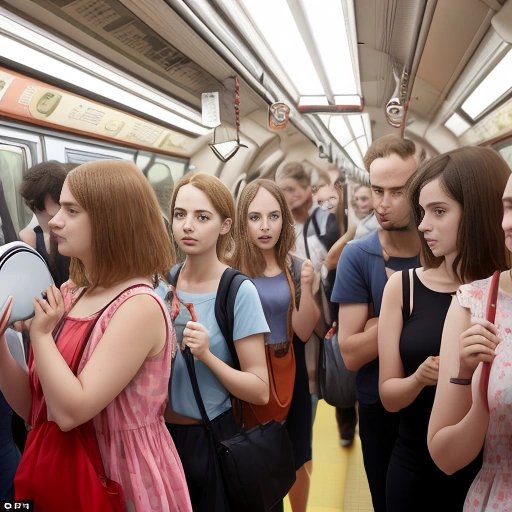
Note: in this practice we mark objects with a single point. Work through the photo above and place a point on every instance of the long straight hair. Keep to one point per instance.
(247, 257)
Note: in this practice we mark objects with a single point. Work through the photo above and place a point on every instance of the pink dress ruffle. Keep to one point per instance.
(492, 488)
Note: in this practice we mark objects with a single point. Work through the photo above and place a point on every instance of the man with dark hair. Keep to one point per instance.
(40, 189)
(361, 275)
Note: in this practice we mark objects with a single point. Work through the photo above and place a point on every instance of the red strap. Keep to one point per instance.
(490, 314)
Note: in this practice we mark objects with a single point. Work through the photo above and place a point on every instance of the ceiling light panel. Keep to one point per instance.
(279, 29)
(50, 58)
(328, 26)
(495, 85)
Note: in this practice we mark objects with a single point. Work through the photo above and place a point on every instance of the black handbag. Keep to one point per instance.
(257, 465)
(337, 384)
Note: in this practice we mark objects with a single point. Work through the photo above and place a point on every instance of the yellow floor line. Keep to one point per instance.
(338, 482)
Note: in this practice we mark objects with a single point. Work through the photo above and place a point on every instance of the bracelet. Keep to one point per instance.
(461, 382)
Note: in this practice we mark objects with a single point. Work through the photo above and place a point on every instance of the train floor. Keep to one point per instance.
(338, 481)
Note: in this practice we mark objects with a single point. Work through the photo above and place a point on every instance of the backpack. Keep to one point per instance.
(327, 236)
(229, 284)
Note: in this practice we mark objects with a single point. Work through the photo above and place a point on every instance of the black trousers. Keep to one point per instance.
(197, 455)
(378, 430)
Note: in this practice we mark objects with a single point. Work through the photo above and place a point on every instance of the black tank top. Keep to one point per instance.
(420, 338)
(58, 265)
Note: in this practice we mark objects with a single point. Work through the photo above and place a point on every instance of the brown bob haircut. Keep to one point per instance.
(128, 232)
(221, 198)
(475, 177)
(247, 257)
(389, 145)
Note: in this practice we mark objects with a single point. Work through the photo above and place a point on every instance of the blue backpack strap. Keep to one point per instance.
(229, 284)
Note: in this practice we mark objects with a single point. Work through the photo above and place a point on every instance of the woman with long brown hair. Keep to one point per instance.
(265, 236)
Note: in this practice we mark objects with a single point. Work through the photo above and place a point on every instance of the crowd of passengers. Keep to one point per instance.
(409, 285)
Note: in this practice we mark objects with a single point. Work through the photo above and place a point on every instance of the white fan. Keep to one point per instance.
(23, 275)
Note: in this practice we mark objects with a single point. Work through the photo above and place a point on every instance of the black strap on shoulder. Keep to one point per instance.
(230, 281)
(305, 235)
(173, 274)
(406, 295)
(315, 223)
(229, 284)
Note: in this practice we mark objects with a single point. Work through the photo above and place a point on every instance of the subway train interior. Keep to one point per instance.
(238, 88)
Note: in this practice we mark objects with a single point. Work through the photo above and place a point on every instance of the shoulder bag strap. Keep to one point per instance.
(406, 295)
(229, 284)
(191, 368)
(490, 314)
(305, 235)
(230, 281)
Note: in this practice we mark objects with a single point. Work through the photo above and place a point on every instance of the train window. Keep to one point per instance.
(78, 157)
(505, 150)
(162, 172)
(155, 166)
(495, 86)
(14, 215)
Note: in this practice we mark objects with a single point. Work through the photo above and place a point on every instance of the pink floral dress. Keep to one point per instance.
(492, 488)
(135, 445)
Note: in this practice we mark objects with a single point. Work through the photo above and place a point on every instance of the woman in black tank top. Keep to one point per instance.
(445, 195)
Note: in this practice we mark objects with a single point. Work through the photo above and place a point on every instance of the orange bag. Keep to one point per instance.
(281, 373)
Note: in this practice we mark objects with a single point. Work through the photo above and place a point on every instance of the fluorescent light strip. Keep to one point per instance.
(356, 123)
(313, 100)
(493, 87)
(284, 39)
(353, 150)
(40, 61)
(329, 31)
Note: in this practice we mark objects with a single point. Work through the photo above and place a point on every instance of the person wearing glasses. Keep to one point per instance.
(447, 196)
(203, 210)
(101, 350)
(265, 235)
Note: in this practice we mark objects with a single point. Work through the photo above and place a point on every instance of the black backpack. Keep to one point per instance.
(331, 235)
(229, 284)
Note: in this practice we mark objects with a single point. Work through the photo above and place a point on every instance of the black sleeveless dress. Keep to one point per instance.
(414, 482)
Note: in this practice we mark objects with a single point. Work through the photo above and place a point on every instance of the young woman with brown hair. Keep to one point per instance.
(265, 235)
(100, 351)
(458, 244)
(202, 211)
